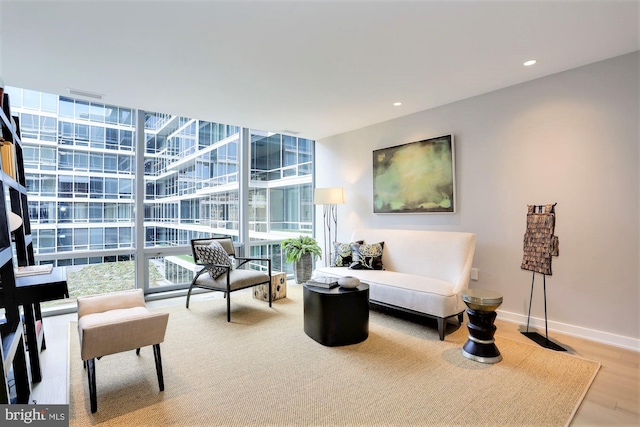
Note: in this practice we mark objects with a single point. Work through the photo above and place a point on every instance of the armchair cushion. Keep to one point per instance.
(215, 257)
(238, 279)
(120, 330)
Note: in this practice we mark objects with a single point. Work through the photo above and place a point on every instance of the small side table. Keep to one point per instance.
(278, 288)
(336, 316)
(482, 305)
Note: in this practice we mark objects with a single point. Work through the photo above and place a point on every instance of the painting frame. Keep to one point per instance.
(416, 177)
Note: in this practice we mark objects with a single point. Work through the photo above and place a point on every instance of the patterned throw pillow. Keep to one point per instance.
(342, 254)
(213, 254)
(367, 257)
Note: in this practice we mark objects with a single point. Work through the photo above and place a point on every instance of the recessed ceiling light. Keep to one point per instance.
(397, 104)
(529, 62)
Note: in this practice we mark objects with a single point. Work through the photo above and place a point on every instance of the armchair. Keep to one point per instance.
(218, 274)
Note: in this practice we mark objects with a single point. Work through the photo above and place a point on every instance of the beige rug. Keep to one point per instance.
(263, 370)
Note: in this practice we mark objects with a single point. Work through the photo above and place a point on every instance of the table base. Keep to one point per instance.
(481, 346)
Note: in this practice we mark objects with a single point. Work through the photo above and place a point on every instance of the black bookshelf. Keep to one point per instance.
(12, 187)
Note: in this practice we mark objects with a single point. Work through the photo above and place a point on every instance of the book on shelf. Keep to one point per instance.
(32, 270)
(323, 282)
(8, 156)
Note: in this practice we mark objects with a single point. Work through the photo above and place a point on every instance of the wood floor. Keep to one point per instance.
(612, 400)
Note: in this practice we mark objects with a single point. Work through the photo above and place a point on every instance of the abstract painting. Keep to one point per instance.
(418, 177)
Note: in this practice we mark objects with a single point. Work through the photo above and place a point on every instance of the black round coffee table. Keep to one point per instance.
(337, 316)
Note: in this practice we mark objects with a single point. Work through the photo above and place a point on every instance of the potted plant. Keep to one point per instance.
(301, 250)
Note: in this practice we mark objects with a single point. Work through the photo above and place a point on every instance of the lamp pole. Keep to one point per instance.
(330, 215)
(329, 198)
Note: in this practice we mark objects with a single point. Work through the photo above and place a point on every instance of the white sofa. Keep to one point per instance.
(424, 272)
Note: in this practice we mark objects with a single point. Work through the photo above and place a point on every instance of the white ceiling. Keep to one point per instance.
(317, 68)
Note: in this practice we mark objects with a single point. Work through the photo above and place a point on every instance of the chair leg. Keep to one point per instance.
(228, 307)
(137, 352)
(270, 291)
(461, 318)
(156, 354)
(91, 375)
(189, 294)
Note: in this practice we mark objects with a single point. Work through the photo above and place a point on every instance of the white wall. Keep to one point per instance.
(570, 138)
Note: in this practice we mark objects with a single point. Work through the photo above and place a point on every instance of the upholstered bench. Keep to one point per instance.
(116, 322)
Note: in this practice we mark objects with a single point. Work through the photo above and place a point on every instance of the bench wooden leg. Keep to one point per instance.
(91, 375)
(442, 324)
(156, 354)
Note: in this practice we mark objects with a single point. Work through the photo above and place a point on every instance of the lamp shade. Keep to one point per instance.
(14, 221)
(329, 196)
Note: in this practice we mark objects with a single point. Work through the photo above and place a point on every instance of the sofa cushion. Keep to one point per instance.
(410, 282)
(414, 292)
(342, 254)
(367, 256)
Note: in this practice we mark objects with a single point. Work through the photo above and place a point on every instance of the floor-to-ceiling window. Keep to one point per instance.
(81, 177)
(281, 196)
(191, 189)
(78, 158)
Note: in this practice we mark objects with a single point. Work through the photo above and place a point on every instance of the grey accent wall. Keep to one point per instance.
(570, 138)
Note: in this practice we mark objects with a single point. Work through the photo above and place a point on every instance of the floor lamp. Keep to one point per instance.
(329, 198)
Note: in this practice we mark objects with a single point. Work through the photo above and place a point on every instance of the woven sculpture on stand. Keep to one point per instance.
(540, 244)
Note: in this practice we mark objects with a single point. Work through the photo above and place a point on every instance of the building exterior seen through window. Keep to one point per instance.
(80, 164)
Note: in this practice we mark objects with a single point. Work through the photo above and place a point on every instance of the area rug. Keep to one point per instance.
(263, 370)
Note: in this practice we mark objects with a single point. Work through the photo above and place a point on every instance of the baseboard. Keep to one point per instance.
(572, 330)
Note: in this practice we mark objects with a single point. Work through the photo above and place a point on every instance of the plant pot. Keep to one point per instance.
(303, 268)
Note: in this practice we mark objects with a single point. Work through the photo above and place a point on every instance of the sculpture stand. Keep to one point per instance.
(543, 341)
